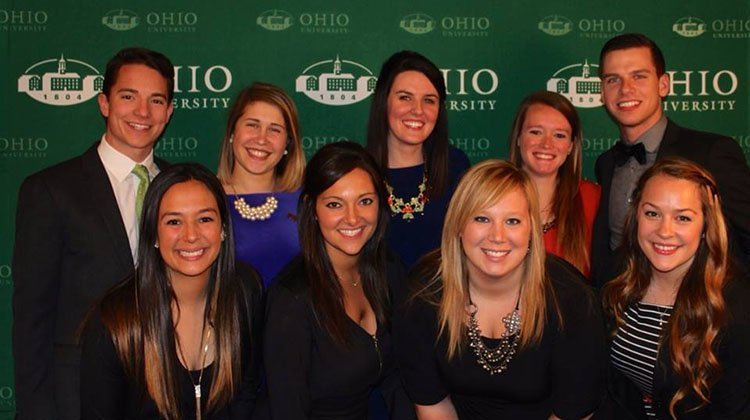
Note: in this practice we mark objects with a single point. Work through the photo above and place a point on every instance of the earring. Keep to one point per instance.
(703, 235)
(231, 138)
(156, 245)
(286, 152)
(223, 236)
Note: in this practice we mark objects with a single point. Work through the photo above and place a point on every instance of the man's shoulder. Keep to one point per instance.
(691, 137)
(62, 171)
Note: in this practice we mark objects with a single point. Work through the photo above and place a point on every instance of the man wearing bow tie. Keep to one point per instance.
(634, 82)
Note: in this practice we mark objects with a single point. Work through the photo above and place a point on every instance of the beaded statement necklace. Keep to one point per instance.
(495, 360)
(549, 226)
(414, 205)
(253, 213)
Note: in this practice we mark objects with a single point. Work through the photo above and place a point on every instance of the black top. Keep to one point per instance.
(413, 238)
(309, 375)
(107, 392)
(730, 395)
(563, 374)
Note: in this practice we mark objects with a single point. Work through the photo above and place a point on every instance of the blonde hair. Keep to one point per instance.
(290, 169)
(482, 186)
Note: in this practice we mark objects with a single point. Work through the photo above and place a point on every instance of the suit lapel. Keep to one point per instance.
(669, 141)
(103, 199)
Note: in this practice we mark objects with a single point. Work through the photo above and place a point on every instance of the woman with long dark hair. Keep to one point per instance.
(176, 339)
(497, 329)
(260, 166)
(407, 134)
(545, 142)
(327, 332)
(680, 320)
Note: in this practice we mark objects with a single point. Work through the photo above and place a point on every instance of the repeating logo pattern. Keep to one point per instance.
(576, 83)
(689, 27)
(121, 20)
(336, 82)
(67, 81)
(420, 23)
(587, 27)
(13, 20)
(417, 23)
(555, 25)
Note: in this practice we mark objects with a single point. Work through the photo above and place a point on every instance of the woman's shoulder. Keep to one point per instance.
(568, 284)
(457, 159)
(291, 280)
(589, 188)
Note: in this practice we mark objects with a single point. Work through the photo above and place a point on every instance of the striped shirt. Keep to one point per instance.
(636, 346)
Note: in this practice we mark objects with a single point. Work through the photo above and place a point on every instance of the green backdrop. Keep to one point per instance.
(326, 54)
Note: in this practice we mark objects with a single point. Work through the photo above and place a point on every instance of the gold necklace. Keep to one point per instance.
(414, 205)
(253, 213)
(197, 386)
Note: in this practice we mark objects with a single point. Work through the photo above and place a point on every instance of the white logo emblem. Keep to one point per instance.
(555, 25)
(417, 23)
(120, 20)
(336, 87)
(274, 20)
(581, 88)
(689, 27)
(61, 87)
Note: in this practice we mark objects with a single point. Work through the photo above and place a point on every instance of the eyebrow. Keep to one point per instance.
(678, 210)
(131, 90)
(329, 197)
(412, 93)
(177, 213)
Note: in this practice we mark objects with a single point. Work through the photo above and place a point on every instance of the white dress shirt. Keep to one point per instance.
(125, 185)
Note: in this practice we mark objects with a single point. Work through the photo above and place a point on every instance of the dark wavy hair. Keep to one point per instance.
(137, 313)
(326, 167)
(435, 147)
(699, 309)
(138, 55)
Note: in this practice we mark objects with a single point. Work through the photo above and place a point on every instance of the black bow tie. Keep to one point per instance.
(623, 152)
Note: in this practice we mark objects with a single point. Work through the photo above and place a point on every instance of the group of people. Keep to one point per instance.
(392, 280)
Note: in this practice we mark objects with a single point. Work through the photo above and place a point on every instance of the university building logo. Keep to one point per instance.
(336, 82)
(576, 83)
(689, 27)
(417, 23)
(555, 25)
(12, 20)
(66, 81)
(275, 20)
(121, 20)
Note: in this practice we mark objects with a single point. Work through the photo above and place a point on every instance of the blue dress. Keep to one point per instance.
(267, 245)
(413, 238)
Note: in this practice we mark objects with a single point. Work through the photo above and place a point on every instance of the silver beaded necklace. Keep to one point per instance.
(495, 360)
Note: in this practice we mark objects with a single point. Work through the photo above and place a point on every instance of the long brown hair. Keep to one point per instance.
(699, 309)
(137, 313)
(567, 203)
(327, 166)
(483, 185)
(435, 147)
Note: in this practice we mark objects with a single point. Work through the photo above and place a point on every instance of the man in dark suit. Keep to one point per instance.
(77, 229)
(634, 82)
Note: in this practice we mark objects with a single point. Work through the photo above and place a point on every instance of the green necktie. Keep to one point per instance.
(141, 173)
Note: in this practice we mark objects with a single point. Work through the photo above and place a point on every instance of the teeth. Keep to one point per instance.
(350, 232)
(258, 153)
(139, 126)
(413, 124)
(189, 254)
(492, 253)
(661, 247)
(627, 104)
(544, 156)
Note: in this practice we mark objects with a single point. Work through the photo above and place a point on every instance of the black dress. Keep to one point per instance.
(309, 375)
(108, 392)
(563, 374)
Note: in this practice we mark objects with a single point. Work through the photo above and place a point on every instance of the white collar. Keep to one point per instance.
(119, 165)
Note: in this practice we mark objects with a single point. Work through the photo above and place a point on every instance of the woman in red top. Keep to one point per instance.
(545, 142)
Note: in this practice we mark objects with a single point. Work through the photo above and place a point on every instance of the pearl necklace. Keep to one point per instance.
(253, 213)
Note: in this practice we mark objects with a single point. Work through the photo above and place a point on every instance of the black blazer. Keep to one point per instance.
(720, 155)
(730, 395)
(70, 247)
